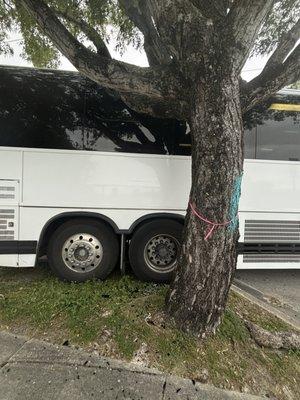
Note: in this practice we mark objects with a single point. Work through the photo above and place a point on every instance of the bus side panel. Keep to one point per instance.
(11, 164)
(271, 186)
(270, 212)
(270, 206)
(27, 260)
(33, 219)
(105, 180)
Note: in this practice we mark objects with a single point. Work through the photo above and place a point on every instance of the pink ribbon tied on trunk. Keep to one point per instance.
(211, 225)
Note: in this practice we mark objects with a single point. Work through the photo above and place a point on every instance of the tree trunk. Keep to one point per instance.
(198, 293)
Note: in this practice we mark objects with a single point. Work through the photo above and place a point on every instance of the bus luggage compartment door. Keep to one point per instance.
(9, 227)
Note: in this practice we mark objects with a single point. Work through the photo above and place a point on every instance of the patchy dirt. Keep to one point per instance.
(141, 356)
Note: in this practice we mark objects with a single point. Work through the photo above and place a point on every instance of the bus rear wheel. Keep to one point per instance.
(80, 250)
(154, 249)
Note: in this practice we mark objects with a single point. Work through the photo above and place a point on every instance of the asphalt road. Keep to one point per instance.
(281, 288)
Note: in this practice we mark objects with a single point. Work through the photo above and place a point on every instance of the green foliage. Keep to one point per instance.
(6, 22)
(284, 16)
(108, 19)
(105, 16)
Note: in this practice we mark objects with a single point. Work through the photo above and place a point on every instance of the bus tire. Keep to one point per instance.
(154, 248)
(82, 249)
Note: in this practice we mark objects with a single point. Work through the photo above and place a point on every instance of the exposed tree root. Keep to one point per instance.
(278, 340)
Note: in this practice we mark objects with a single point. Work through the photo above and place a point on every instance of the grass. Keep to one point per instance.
(118, 316)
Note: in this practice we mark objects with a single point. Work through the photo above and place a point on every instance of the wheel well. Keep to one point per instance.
(153, 217)
(60, 219)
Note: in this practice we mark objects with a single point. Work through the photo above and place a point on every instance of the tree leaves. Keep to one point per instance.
(105, 16)
(285, 14)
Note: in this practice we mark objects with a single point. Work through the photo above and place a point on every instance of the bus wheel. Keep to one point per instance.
(154, 249)
(81, 249)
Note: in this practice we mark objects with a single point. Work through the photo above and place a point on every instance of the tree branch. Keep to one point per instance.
(285, 45)
(139, 14)
(155, 84)
(180, 26)
(271, 80)
(244, 21)
(213, 9)
(88, 30)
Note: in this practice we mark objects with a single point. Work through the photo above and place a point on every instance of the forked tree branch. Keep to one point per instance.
(271, 80)
(88, 30)
(138, 102)
(152, 84)
(138, 12)
(244, 22)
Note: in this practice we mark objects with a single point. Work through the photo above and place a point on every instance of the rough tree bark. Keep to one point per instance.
(206, 267)
(196, 52)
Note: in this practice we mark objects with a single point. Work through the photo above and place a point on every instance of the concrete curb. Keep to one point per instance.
(258, 298)
(32, 369)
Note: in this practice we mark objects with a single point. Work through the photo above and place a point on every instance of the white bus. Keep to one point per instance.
(87, 181)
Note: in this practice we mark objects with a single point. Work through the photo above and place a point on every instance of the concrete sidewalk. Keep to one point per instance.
(277, 291)
(32, 369)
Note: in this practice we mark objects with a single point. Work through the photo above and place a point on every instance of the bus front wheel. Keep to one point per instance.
(81, 249)
(154, 249)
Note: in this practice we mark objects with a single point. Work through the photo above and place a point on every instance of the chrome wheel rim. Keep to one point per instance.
(82, 253)
(161, 253)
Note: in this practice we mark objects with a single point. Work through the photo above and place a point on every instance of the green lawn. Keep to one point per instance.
(122, 315)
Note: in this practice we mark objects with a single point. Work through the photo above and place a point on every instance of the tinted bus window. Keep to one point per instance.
(112, 126)
(41, 109)
(250, 122)
(278, 134)
(249, 143)
(182, 139)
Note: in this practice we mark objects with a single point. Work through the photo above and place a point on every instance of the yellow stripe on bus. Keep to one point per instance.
(285, 107)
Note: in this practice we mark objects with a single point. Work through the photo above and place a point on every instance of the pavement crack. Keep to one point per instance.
(4, 363)
(164, 389)
(82, 365)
